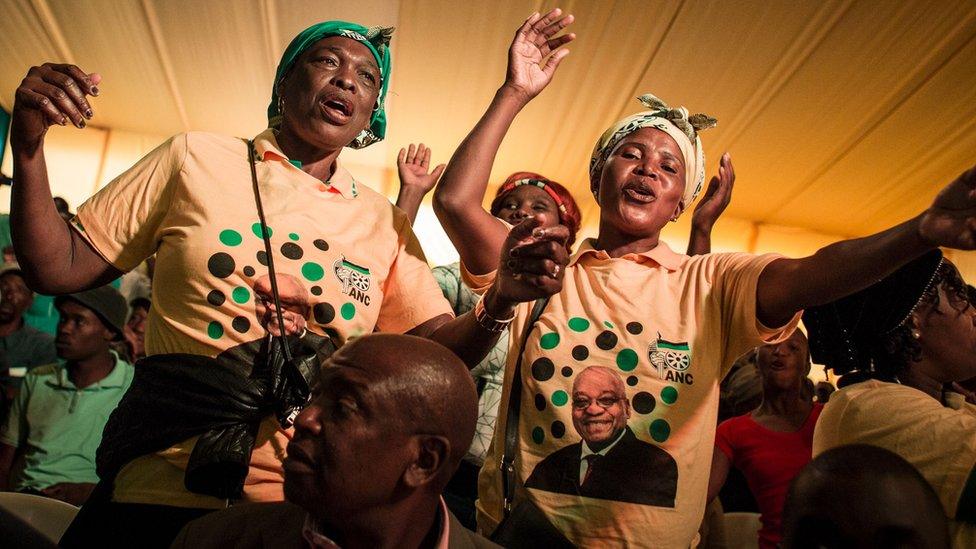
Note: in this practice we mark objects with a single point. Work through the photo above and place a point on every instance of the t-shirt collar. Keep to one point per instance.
(114, 379)
(319, 540)
(267, 149)
(660, 254)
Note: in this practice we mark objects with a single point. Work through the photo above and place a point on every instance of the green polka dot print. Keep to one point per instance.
(240, 295)
(312, 271)
(578, 324)
(230, 237)
(215, 330)
(660, 430)
(549, 341)
(627, 360)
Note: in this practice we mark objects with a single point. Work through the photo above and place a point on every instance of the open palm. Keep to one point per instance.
(717, 196)
(535, 53)
(413, 166)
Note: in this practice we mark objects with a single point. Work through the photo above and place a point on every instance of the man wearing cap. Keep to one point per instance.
(22, 347)
(56, 422)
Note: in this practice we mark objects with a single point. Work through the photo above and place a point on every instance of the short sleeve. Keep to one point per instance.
(411, 296)
(736, 279)
(723, 439)
(16, 430)
(122, 221)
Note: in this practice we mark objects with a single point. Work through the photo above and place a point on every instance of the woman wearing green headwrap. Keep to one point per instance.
(346, 261)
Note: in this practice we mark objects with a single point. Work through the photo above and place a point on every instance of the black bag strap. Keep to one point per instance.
(513, 408)
(265, 234)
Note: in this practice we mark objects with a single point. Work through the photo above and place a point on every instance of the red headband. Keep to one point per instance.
(506, 188)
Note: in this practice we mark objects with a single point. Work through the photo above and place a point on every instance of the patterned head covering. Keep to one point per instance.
(569, 214)
(376, 39)
(676, 123)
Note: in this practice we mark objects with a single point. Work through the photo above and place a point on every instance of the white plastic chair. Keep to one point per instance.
(50, 517)
(741, 530)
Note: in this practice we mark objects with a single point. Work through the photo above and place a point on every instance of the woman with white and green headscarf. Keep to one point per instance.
(620, 456)
(207, 419)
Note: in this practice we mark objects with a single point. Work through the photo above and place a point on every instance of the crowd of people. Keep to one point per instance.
(300, 377)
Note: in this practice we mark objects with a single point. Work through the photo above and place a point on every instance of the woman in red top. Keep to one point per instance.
(773, 442)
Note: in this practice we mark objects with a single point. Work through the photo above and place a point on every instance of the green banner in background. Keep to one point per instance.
(4, 130)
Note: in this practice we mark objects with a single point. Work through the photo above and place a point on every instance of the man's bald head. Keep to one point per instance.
(389, 422)
(429, 386)
(862, 496)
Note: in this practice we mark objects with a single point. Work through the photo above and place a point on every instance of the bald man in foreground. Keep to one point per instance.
(387, 427)
(866, 497)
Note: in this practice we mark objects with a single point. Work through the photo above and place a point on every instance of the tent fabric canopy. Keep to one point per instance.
(843, 117)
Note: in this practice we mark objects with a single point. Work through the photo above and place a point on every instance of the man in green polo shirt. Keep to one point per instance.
(55, 425)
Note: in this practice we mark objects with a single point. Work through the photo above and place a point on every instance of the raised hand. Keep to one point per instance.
(536, 52)
(413, 164)
(532, 263)
(51, 94)
(951, 219)
(717, 196)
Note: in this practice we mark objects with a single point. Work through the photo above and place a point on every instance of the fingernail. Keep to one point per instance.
(94, 90)
(539, 232)
(64, 121)
(81, 124)
(88, 113)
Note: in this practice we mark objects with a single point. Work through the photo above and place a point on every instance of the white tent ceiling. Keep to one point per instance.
(842, 116)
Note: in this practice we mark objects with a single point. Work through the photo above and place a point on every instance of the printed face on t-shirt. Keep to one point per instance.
(600, 406)
(626, 469)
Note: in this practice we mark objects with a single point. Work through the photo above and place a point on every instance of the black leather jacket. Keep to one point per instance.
(177, 396)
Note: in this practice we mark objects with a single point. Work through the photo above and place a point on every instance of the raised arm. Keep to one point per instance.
(710, 207)
(788, 285)
(416, 181)
(533, 57)
(55, 258)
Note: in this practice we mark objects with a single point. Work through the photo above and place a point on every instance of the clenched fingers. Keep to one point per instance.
(36, 101)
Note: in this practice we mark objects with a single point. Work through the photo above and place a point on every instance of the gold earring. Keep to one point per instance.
(916, 334)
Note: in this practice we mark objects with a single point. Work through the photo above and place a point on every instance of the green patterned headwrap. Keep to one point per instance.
(377, 39)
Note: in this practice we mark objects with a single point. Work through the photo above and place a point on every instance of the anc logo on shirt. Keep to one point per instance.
(671, 360)
(355, 279)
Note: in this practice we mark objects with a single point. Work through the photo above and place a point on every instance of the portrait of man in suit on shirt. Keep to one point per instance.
(610, 462)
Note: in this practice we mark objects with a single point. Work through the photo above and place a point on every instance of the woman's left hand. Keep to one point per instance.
(717, 196)
(951, 219)
(535, 52)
